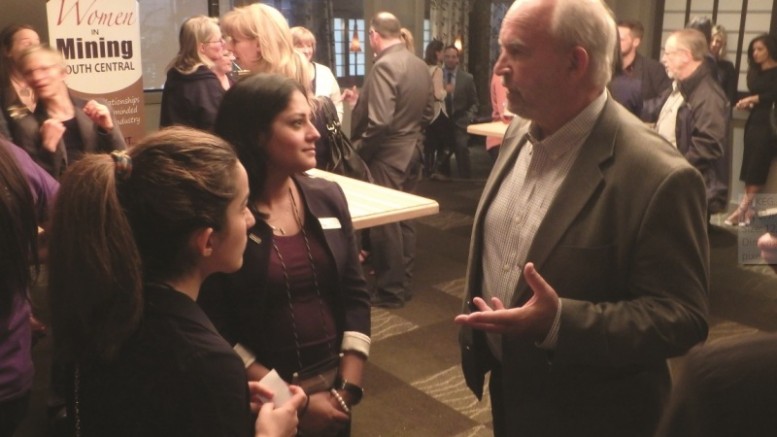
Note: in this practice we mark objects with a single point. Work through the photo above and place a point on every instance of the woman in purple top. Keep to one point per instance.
(18, 250)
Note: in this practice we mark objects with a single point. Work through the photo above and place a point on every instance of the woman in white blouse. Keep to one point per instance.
(324, 82)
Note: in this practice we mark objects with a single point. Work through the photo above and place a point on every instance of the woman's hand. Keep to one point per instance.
(99, 114)
(323, 416)
(281, 421)
(748, 102)
(350, 96)
(51, 132)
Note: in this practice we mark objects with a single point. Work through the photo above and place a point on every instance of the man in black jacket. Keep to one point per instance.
(648, 72)
(694, 113)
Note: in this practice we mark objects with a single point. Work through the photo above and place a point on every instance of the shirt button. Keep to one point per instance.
(507, 267)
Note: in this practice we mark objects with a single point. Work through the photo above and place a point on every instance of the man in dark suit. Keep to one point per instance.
(461, 107)
(648, 72)
(589, 256)
(394, 106)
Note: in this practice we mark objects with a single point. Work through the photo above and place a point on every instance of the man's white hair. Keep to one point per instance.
(590, 25)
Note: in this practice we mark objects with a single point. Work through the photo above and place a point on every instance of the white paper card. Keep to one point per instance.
(273, 382)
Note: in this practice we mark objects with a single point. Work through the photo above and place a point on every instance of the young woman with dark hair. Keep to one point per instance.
(133, 237)
(300, 300)
(759, 136)
(16, 93)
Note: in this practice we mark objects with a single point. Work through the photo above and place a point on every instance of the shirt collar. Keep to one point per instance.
(571, 135)
(164, 300)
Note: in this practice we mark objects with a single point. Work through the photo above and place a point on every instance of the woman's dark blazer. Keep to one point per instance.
(236, 302)
(26, 134)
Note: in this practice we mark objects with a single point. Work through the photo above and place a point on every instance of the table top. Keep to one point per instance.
(372, 205)
(490, 129)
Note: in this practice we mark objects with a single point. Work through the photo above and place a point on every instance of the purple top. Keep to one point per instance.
(44, 187)
(15, 357)
(308, 316)
(16, 371)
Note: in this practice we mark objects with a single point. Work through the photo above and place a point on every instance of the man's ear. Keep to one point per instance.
(636, 42)
(202, 240)
(579, 61)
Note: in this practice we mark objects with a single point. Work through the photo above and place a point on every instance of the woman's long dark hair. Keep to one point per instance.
(6, 42)
(18, 230)
(753, 68)
(245, 119)
(430, 54)
(115, 227)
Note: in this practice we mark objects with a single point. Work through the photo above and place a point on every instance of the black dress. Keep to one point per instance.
(760, 141)
(176, 376)
(727, 78)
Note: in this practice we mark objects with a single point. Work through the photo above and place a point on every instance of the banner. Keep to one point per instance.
(100, 40)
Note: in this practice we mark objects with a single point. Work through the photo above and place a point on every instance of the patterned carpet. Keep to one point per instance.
(414, 383)
(414, 386)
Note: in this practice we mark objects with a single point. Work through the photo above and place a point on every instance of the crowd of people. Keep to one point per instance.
(189, 273)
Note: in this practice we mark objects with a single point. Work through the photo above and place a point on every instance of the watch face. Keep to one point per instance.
(354, 390)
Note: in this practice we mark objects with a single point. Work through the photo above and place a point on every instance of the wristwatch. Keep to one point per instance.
(356, 392)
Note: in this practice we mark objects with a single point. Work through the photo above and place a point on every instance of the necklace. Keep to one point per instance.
(280, 230)
(314, 273)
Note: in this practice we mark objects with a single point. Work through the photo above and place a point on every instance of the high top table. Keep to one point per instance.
(490, 129)
(373, 205)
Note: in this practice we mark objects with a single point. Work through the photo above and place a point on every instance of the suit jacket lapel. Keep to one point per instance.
(581, 183)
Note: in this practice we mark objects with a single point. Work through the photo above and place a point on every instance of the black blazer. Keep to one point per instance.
(26, 134)
(235, 302)
(191, 99)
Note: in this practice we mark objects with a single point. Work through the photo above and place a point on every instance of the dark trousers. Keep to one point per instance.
(460, 149)
(11, 414)
(393, 245)
(447, 138)
(497, 401)
(439, 136)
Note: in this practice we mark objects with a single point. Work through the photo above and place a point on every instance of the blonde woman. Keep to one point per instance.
(63, 128)
(407, 39)
(261, 41)
(323, 82)
(727, 75)
(193, 91)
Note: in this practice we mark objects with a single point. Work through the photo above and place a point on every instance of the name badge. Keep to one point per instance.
(330, 223)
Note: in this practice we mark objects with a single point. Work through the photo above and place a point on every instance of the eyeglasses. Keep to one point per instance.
(665, 52)
(218, 41)
(43, 69)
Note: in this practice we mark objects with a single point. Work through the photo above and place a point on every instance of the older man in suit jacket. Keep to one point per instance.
(589, 256)
(396, 103)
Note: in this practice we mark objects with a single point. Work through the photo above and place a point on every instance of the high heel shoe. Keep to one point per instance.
(740, 217)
